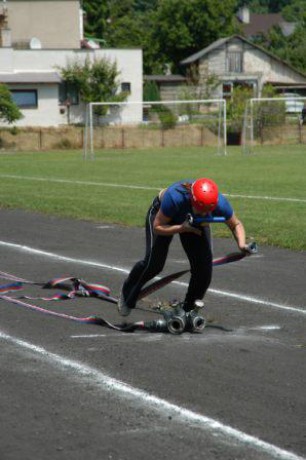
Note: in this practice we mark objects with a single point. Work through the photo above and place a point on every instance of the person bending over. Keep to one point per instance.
(169, 215)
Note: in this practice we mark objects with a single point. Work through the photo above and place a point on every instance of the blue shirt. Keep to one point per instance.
(176, 203)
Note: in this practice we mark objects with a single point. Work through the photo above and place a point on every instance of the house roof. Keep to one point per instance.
(196, 56)
(261, 23)
(30, 77)
(222, 41)
(165, 78)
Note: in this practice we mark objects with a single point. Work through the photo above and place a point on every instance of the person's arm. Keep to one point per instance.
(162, 226)
(238, 231)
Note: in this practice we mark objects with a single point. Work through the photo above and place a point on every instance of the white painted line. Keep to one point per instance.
(107, 383)
(241, 297)
(38, 252)
(256, 300)
(269, 198)
(78, 182)
(88, 336)
(259, 328)
(141, 187)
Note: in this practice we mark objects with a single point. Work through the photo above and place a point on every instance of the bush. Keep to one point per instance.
(165, 115)
(236, 108)
(151, 92)
(9, 112)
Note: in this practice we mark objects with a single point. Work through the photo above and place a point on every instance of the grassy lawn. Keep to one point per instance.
(63, 184)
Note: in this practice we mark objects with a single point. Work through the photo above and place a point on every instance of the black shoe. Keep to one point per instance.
(198, 306)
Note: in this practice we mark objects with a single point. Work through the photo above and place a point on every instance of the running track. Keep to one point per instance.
(74, 391)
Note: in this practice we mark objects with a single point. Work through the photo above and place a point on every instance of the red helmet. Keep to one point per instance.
(204, 195)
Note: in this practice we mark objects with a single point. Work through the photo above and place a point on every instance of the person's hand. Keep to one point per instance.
(188, 228)
(250, 248)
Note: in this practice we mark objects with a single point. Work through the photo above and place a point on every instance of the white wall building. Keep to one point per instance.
(29, 64)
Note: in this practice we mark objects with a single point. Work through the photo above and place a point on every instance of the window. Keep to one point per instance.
(126, 87)
(68, 93)
(227, 89)
(234, 62)
(25, 99)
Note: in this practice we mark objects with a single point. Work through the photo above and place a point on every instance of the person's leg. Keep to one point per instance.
(144, 270)
(199, 253)
(155, 257)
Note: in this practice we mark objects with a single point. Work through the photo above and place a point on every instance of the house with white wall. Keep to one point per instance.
(37, 38)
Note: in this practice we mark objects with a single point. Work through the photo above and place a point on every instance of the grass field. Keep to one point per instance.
(119, 184)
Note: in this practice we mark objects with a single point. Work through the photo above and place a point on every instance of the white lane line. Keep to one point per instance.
(52, 255)
(269, 198)
(79, 182)
(142, 187)
(256, 300)
(107, 383)
(266, 328)
(87, 336)
(241, 297)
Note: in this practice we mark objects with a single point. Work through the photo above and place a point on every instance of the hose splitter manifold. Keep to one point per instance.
(176, 320)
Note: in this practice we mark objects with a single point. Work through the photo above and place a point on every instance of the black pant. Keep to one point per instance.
(197, 248)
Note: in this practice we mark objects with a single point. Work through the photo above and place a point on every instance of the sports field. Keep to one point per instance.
(72, 390)
(266, 188)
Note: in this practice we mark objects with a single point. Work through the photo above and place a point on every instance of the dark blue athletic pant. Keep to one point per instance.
(197, 249)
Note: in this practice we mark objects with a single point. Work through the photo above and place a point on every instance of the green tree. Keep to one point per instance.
(290, 49)
(9, 112)
(96, 16)
(268, 113)
(183, 27)
(134, 29)
(96, 81)
(151, 91)
(263, 6)
(145, 5)
(101, 17)
(170, 30)
(294, 11)
(123, 23)
(236, 108)
(125, 31)
(120, 8)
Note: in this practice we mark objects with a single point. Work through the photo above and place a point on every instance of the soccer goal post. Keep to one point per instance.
(182, 123)
(273, 120)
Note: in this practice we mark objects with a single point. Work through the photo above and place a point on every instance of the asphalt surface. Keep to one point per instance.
(77, 391)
